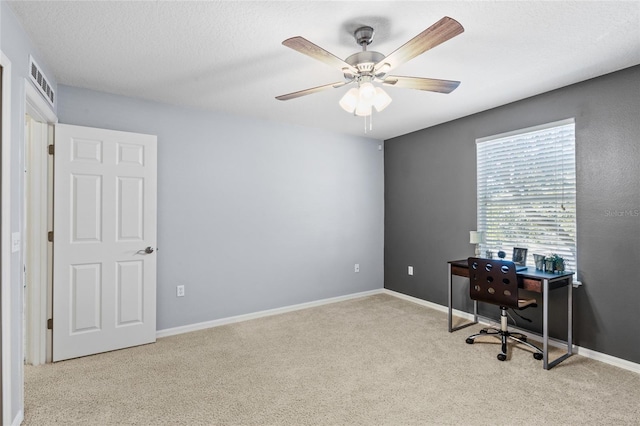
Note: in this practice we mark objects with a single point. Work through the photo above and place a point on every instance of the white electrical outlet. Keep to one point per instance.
(410, 270)
(180, 291)
(356, 267)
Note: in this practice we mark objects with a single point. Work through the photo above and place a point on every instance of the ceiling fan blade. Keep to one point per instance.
(429, 84)
(305, 47)
(312, 90)
(438, 33)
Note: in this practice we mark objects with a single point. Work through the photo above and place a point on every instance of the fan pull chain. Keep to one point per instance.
(370, 123)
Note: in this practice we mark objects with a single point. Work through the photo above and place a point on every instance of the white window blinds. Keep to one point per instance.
(527, 191)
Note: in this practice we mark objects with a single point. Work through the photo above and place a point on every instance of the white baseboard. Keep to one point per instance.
(608, 359)
(230, 320)
(428, 304)
(588, 353)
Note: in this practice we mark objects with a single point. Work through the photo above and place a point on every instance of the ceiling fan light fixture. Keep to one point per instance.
(363, 109)
(349, 101)
(361, 101)
(381, 100)
(367, 92)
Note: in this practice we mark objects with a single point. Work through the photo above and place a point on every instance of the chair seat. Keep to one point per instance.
(523, 303)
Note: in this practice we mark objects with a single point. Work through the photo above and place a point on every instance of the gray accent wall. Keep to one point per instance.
(252, 215)
(430, 207)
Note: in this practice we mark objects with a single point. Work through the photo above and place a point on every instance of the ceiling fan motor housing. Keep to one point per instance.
(364, 61)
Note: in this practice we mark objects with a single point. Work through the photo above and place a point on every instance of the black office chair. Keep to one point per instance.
(495, 281)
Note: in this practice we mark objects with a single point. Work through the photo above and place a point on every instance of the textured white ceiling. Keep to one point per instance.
(227, 55)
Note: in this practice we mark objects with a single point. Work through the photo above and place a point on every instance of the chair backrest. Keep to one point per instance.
(493, 281)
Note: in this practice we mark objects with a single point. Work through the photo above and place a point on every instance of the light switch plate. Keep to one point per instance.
(410, 270)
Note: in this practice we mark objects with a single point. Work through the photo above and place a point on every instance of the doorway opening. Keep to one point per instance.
(38, 253)
(38, 220)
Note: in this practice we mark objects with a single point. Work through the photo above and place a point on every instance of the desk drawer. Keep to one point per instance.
(532, 285)
(525, 283)
(459, 271)
(536, 285)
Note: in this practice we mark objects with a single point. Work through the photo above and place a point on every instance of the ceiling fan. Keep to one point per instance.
(367, 67)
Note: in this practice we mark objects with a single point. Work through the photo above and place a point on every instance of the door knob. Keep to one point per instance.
(148, 250)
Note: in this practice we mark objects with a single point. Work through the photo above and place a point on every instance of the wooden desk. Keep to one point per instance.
(532, 280)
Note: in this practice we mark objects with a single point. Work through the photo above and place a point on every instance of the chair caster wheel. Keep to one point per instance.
(524, 339)
(537, 356)
(502, 357)
(469, 341)
(483, 331)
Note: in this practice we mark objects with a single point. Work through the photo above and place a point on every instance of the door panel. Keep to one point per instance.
(86, 297)
(129, 292)
(130, 209)
(104, 295)
(86, 208)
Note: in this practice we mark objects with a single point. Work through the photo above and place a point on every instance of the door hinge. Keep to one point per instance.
(50, 324)
(50, 236)
(51, 150)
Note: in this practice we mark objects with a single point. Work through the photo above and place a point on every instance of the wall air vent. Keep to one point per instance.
(40, 81)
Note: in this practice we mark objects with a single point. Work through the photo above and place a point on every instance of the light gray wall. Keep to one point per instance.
(17, 46)
(252, 215)
(430, 206)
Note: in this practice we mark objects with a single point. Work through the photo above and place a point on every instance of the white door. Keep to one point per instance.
(104, 282)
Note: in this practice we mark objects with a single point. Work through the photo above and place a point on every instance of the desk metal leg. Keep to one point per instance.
(545, 326)
(450, 298)
(570, 317)
(450, 302)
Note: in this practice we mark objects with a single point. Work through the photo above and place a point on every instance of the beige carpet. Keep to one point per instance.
(378, 360)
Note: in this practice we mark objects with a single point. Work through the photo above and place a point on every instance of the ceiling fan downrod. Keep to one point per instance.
(364, 36)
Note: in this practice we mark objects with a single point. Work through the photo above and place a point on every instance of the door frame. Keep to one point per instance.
(38, 298)
(5, 231)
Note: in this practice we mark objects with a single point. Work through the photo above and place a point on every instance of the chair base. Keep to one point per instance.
(504, 335)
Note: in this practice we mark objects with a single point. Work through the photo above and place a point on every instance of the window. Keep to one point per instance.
(527, 191)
